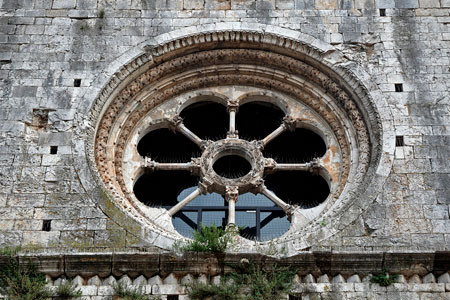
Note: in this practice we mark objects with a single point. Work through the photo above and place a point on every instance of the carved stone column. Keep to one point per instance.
(231, 195)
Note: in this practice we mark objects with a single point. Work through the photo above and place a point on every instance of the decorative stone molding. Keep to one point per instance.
(270, 48)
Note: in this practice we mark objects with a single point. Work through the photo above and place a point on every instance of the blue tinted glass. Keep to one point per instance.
(246, 221)
(212, 199)
(250, 199)
(277, 225)
(272, 224)
(185, 221)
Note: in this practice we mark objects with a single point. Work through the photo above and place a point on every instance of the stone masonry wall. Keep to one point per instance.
(46, 45)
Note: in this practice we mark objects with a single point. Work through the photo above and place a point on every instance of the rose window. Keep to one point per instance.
(227, 162)
(244, 128)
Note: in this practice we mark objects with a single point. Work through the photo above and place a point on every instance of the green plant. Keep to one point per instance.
(383, 278)
(101, 13)
(67, 291)
(209, 239)
(251, 282)
(19, 282)
(129, 293)
(323, 223)
(199, 291)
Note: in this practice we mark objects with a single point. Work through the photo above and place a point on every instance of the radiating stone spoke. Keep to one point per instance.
(293, 167)
(273, 135)
(192, 166)
(313, 166)
(275, 199)
(190, 135)
(176, 123)
(289, 123)
(185, 201)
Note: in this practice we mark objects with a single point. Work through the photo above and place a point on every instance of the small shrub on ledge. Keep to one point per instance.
(19, 282)
(383, 278)
(249, 282)
(67, 291)
(209, 239)
(123, 292)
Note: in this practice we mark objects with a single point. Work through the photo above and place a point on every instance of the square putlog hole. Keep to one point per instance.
(46, 225)
(53, 149)
(382, 12)
(77, 82)
(399, 87)
(399, 141)
(172, 297)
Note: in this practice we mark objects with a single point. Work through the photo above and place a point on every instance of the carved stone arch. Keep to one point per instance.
(263, 56)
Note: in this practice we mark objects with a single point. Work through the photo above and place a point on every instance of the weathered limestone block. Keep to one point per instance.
(338, 279)
(415, 279)
(57, 4)
(78, 281)
(444, 278)
(94, 281)
(168, 289)
(429, 278)
(325, 4)
(171, 279)
(189, 279)
(203, 279)
(109, 281)
(105, 290)
(141, 280)
(155, 280)
(125, 280)
(354, 279)
(323, 279)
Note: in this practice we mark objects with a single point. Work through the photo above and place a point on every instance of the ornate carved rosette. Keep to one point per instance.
(281, 70)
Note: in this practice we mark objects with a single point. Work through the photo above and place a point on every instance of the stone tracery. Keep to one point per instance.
(170, 73)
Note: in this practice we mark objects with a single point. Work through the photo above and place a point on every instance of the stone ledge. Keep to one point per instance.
(315, 263)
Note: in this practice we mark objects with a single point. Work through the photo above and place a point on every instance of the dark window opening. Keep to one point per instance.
(301, 188)
(256, 120)
(161, 188)
(208, 120)
(298, 146)
(163, 145)
(172, 297)
(399, 141)
(399, 87)
(382, 12)
(232, 166)
(53, 149)
(46, 225)
(77, 82)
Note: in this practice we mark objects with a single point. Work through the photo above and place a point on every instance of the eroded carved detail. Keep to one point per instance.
(257, 78)
(233, 105)
(231, 193)
(269, 165)
(175, 122)
(290, 123)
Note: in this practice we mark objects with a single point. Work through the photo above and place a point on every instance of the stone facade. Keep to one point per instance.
(59, 60)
